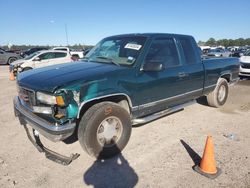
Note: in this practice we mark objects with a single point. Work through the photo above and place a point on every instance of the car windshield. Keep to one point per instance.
(119, 50)
(247, 53)
(31, 56)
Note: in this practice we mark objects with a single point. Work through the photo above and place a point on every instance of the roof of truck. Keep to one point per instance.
(151, 35)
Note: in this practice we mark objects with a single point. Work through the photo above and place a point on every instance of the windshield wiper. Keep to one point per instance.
(108, 59)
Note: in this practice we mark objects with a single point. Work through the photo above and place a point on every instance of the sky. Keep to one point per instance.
(43, 22)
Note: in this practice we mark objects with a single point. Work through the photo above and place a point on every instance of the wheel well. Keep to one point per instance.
(227, 77)
(119, 99)
(11, 58)
(27, 68)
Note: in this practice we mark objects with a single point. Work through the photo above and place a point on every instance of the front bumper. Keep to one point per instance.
(244, 71)
(45, 128)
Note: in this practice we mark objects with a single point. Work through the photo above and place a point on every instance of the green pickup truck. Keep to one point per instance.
(124, 80)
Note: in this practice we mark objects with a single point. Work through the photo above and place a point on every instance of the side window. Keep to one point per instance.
(62, 49)
(46, 56)
(163, 50)
(188, 50)
(60, 55)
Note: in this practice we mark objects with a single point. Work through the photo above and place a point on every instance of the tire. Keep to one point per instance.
(218, 97)
(10, 60)
(27, 68)
(94, 125)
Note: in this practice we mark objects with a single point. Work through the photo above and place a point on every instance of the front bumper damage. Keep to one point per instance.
(50, 131)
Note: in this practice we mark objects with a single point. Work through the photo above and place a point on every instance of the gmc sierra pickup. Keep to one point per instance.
(124, 80)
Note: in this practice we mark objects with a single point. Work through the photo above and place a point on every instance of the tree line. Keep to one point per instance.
(225, 42)
(25, 47)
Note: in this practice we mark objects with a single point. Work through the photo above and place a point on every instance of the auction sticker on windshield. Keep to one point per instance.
(133, 46)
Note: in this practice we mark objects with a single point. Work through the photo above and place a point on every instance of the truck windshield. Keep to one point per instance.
(119, 50)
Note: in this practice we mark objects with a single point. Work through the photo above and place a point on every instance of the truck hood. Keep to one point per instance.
(48, 79)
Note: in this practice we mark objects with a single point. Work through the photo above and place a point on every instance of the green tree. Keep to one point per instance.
(211, 42)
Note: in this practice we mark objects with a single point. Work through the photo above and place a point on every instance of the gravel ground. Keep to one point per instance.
(159, 154)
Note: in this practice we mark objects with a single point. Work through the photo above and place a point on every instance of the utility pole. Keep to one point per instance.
(66, 32)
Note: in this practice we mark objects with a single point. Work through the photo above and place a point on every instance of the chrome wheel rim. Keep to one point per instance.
(109, 131)
(221, 93)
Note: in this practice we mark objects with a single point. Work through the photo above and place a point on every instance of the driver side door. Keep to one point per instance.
(159, 89)
(44, 59)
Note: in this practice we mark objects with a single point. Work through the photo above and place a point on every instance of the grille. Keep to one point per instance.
(245, 65)
(27, 97)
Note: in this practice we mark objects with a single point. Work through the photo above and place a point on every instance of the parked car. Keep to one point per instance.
(76, 54)
(31, 51)
(40, 59)
(245, 64)
(7, 58)
(219, 53)
(124, 80)
(238, 53)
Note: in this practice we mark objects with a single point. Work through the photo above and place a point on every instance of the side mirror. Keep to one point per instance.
(152, 66)
(37, 59)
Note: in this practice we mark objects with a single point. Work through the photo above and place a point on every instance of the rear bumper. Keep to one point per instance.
(45, 128)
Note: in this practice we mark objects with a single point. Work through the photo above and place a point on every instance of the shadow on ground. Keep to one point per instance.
(113, 172)
(194, 156)
(202, 101)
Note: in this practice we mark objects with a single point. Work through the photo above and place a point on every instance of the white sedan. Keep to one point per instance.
(245, 64)
(41, 59)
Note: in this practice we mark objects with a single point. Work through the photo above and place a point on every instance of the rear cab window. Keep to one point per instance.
(188, 49)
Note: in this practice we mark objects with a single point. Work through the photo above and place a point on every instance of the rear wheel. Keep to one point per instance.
(104, 130)
(219, 96)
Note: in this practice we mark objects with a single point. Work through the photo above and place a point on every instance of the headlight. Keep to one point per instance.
(45, 98)
(50, 99)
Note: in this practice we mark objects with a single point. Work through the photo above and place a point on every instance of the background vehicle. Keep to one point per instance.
(77, 54)
(125, 80)
(32, 50)
(219, 53)
(238, 53)
(245, 64)
(7, 57)
(40, 59)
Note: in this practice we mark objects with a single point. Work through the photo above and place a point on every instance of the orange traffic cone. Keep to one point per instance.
(207, 166)
(12, 76)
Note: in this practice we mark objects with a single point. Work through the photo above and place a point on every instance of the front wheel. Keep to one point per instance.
(104, 130)
(218, 97)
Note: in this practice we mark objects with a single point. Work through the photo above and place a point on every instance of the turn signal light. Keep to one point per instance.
(60, 101)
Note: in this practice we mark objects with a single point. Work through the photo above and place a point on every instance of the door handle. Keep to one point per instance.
(182, 74)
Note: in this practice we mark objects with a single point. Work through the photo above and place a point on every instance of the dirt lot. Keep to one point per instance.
(159, 154)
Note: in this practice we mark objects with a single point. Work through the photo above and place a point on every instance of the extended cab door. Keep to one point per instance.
(173, 84)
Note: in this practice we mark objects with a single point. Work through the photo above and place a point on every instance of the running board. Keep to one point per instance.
(161, 113)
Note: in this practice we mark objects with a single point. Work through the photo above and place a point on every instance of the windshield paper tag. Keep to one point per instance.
(133, 46)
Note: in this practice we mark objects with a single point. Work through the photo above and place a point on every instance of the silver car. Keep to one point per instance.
(7, 58)
(219, 53)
